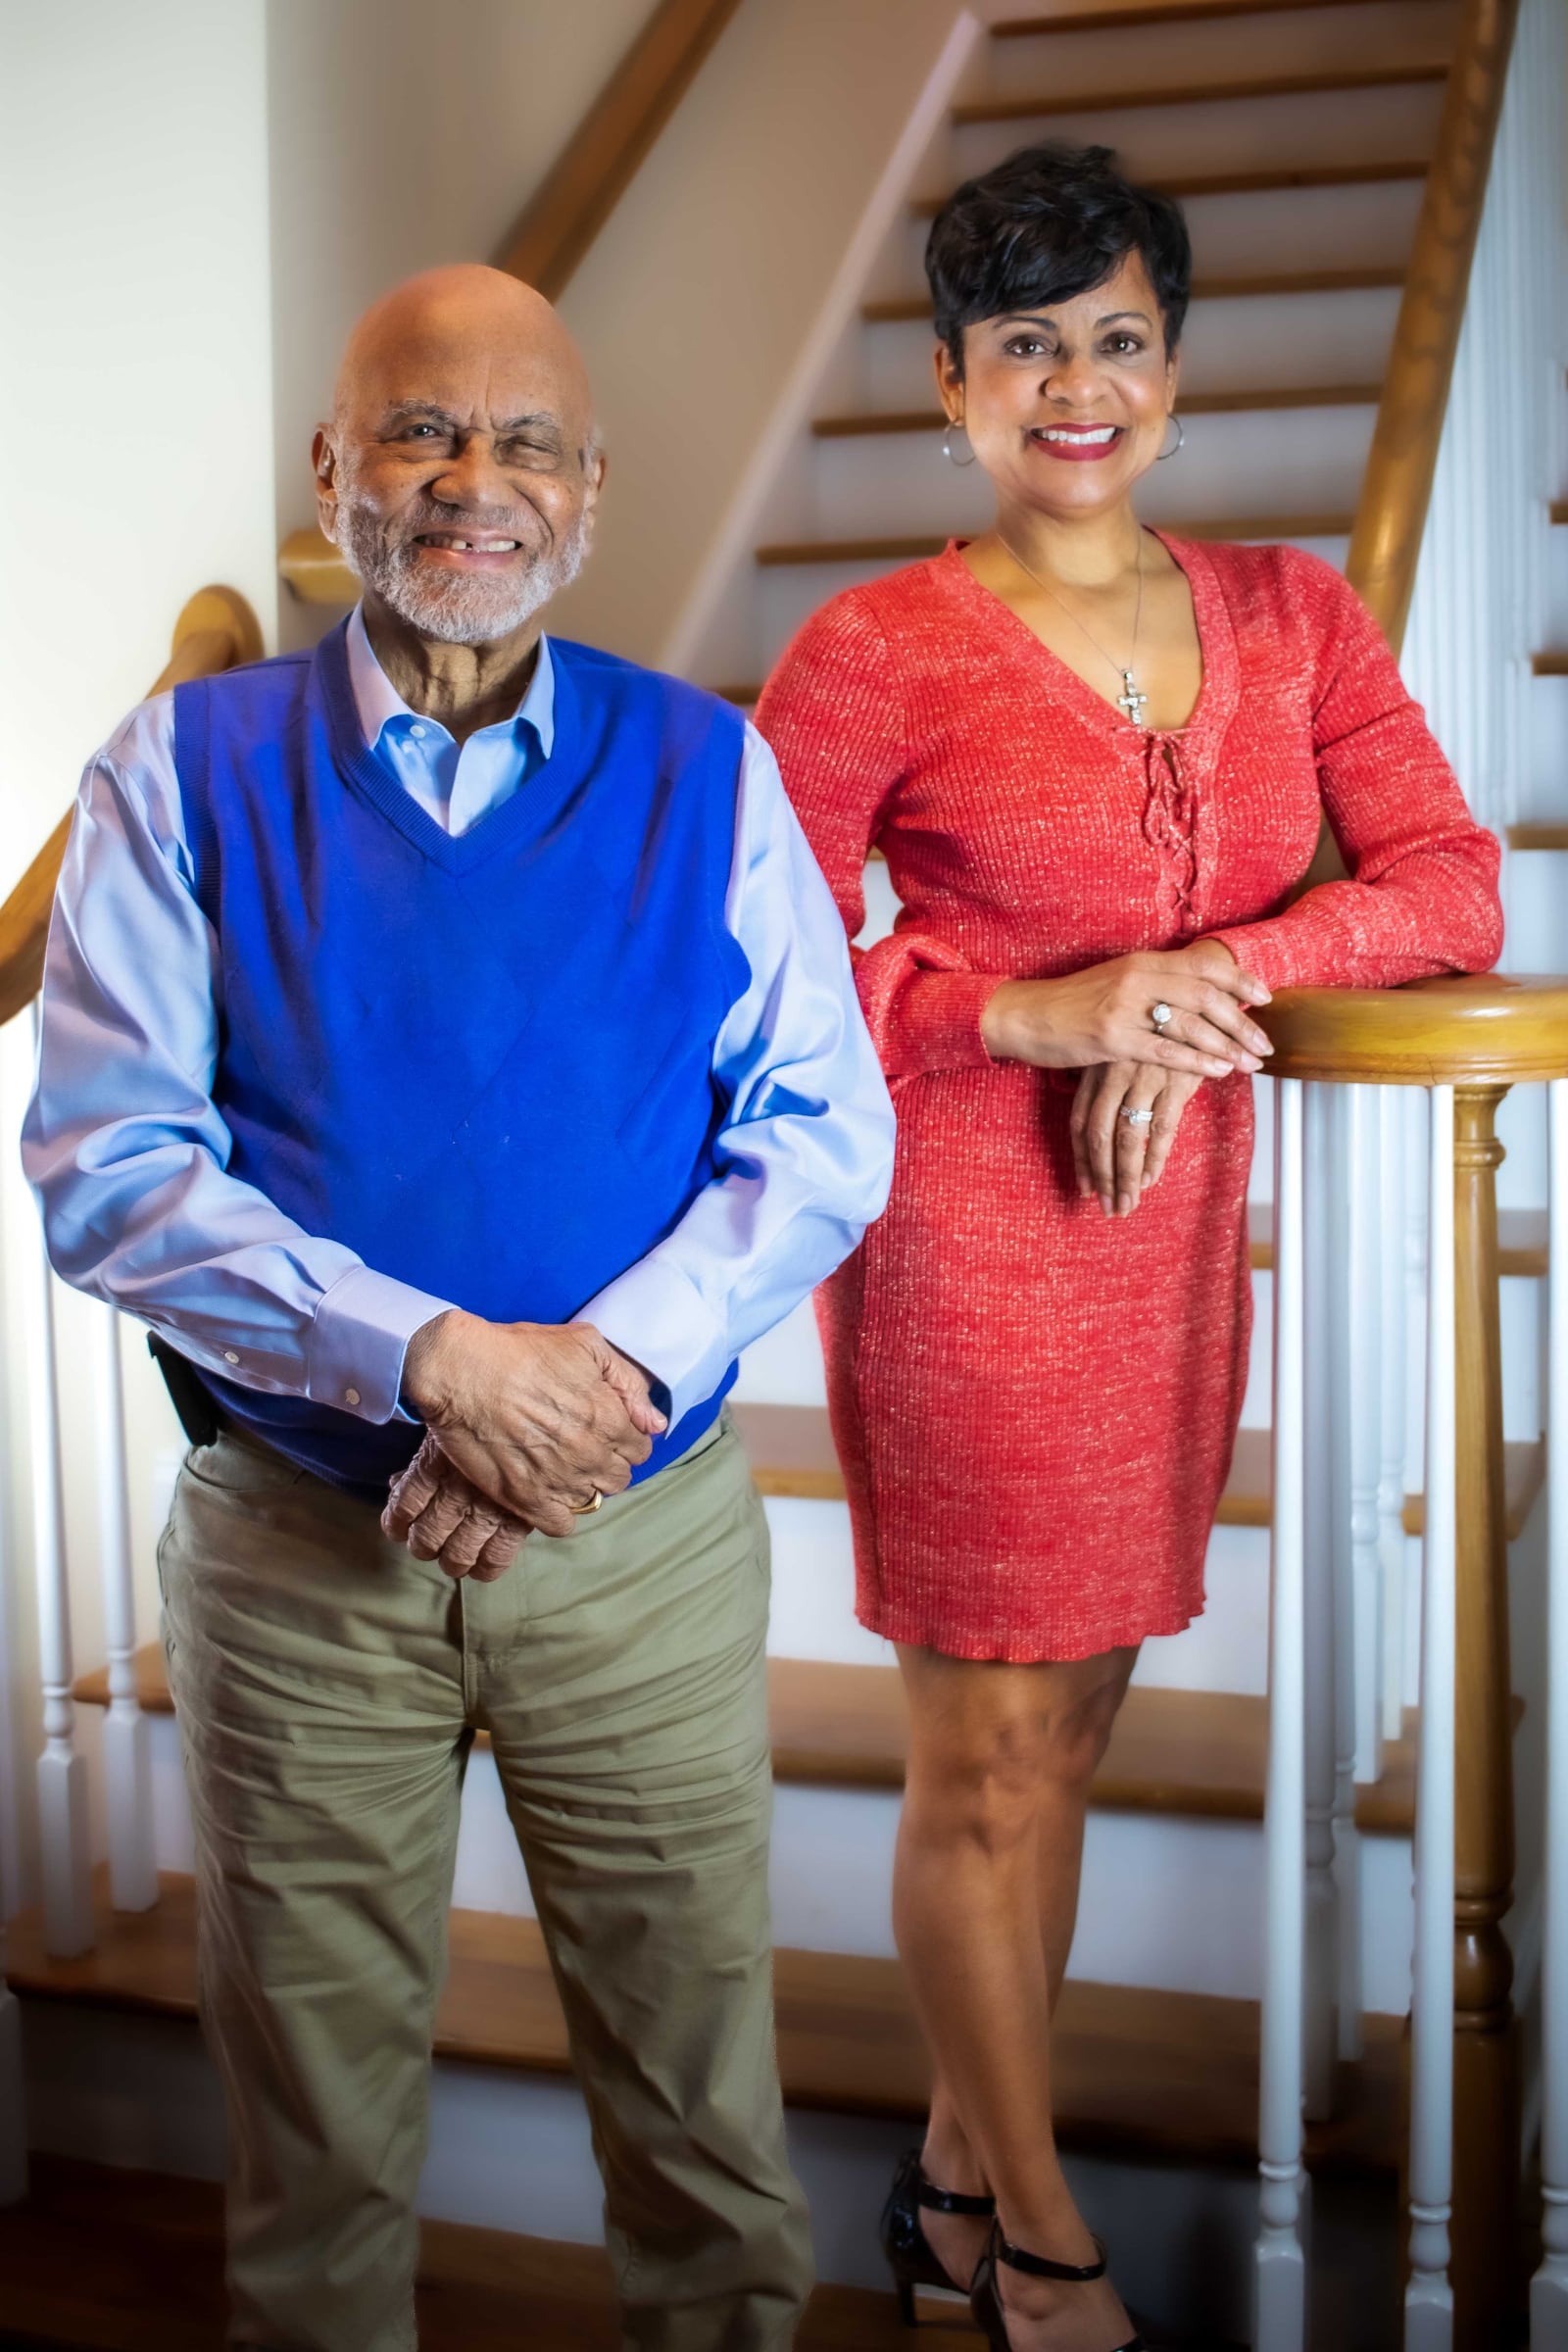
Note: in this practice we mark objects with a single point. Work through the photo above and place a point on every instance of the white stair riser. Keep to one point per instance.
(1338, 126)
(1244, 463)
(1548, 769)
(1536, 883)
(513, 2151)
(1397, 32)
(1558, 586)
(1250, 343)
(831, 1878)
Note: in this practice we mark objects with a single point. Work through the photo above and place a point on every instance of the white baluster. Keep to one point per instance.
(1548, 2290)
(128, 1753)
(13, 2122)
(61, 1772)
(1279, 2273)
(1429, 2295)
(1394, 1212)
(1357, 1403)
(1321, 1280)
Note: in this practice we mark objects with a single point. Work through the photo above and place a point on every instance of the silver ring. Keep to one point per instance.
(1162, 1016)
(1137, 1118)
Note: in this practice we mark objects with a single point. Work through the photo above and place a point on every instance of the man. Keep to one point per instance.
(450, 1031)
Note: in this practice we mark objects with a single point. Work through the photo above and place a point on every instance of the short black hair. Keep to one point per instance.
(1051, 221)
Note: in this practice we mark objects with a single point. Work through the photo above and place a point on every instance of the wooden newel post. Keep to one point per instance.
(1486, 2084)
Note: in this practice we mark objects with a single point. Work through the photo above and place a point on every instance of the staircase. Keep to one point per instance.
(1298, 135)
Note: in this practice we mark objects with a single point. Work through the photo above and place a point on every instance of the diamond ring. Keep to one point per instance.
(1137, 1118)
(1160, 1015)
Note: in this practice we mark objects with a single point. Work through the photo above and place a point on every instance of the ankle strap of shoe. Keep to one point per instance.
(951, 2200)
(1037, 2265)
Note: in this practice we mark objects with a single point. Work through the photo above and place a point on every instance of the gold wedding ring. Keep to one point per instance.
(591, 1507)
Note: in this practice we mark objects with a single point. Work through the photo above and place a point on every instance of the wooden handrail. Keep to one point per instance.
(1396, 488)
(1454, 1031)
(586, 182)
(216, 630)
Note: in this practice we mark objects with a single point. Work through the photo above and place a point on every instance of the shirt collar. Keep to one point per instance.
(378, 701)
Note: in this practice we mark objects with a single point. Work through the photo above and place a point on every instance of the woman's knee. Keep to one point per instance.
(982, 1775)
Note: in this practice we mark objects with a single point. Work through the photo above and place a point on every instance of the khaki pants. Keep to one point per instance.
(328, 1687)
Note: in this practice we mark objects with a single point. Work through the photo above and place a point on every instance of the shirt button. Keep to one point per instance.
(230, 1357)
(417, 732)
(351, 1395)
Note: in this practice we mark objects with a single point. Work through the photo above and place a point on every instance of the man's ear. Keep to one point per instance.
(324, 460)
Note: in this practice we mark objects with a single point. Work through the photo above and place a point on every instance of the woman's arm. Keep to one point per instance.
(1422, 894)
(833, 712)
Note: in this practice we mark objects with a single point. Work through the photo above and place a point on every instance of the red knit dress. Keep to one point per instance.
(1035, 1404)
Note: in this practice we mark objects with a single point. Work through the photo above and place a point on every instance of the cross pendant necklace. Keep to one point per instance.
(1132, 697)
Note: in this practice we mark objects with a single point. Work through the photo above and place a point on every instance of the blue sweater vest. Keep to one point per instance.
(484, 1065)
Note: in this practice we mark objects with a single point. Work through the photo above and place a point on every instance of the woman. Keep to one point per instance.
(1095, 757)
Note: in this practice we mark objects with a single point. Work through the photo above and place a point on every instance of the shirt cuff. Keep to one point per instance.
(655, 1314)
(359, 1337)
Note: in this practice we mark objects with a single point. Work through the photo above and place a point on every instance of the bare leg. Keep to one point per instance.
(985, 1891)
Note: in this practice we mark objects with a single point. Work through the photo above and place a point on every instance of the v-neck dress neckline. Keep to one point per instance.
(1204, 730)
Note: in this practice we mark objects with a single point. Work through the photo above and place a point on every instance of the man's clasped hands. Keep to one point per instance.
(526, 1423)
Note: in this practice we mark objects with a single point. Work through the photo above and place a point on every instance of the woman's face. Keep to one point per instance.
(1066, 405)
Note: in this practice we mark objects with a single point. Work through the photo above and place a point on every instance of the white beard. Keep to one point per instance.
(448, 606)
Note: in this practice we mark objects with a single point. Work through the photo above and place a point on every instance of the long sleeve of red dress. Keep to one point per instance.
(1035, 1405)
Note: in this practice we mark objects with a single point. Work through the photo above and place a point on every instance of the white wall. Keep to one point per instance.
(134, 187)
(135, 282)
(403, 136)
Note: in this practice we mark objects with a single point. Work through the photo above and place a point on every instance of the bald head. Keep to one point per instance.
(442, 321)
(460, 467)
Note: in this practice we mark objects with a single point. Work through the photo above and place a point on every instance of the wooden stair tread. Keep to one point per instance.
(896, 309)
(912, 550)
(1321, 83)
(791, 1453)
(1537, 837)
(1193, 404)
(155, 2278)
(1190, 1754)
(1118, 20)
(1137, 2073)
(1520, 1232)
(1258, 181)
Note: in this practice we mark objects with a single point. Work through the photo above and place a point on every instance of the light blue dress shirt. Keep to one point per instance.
(128, 1155)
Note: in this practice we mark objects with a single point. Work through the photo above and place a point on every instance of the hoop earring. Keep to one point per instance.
(955, 423)
(1180, 441)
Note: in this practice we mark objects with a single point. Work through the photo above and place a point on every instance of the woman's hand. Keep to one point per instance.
(1120, 1158)
(1103, 1015)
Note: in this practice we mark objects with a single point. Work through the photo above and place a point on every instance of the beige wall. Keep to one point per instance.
(698, 296)
(402, 135)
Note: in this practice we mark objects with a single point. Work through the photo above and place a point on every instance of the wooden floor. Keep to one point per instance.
(112, 2261)
(1137, 2074)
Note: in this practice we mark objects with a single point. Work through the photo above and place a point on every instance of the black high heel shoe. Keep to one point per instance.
(985, 2298)
(904, 2241)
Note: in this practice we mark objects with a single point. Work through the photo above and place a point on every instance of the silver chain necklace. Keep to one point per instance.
(1131, 698)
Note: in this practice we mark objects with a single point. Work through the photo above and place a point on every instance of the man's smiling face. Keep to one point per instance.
(460, 473)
